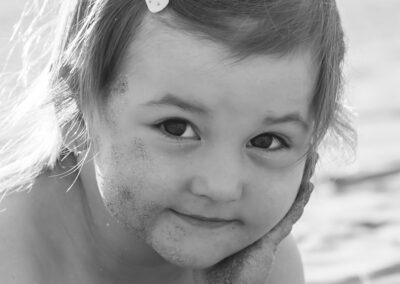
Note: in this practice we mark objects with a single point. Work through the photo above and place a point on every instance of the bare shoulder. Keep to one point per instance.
(17, 238)
(288, 267)
(25, 220)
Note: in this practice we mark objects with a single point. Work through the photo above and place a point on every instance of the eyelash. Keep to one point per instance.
(284, 144)
(160, 125)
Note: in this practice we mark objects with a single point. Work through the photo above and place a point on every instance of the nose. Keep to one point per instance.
(219, 178)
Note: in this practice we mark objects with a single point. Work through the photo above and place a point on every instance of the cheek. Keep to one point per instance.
(272, 200)
(127, 184)
(126, 201)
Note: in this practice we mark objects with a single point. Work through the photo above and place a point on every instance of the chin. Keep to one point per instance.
(187, 257)
(190, 248)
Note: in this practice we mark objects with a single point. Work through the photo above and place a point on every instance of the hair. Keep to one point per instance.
(92, 39)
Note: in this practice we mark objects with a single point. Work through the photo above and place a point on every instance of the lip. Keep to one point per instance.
(201, 221)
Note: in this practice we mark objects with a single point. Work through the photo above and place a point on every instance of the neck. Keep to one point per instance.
(118, 253)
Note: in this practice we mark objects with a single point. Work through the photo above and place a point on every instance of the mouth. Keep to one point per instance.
(205, 222)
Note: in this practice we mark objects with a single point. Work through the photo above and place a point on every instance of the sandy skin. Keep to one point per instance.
(169, 143)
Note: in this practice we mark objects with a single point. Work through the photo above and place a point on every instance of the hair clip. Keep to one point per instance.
(156, 6)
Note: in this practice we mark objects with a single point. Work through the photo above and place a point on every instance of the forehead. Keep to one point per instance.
(173, 59)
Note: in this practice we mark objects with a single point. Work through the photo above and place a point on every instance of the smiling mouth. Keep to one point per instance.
(201, 221)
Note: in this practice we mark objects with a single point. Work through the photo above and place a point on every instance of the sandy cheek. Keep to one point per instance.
(124, 185)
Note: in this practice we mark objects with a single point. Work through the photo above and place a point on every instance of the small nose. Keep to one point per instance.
(219, 178)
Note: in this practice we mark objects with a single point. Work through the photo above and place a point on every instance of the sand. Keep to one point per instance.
(350, 231)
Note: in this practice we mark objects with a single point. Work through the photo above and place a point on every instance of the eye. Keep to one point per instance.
(178, 128)
(269, 142)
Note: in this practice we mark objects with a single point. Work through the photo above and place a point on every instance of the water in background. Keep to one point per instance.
(350, 232)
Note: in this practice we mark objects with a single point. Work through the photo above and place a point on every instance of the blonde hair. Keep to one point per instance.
(31, 140)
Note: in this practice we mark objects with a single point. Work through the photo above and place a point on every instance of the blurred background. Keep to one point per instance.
(350, 232)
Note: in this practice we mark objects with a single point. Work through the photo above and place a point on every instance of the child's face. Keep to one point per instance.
(189, 133)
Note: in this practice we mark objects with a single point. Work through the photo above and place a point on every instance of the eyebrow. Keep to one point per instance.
(288, 118)
(172, 100)
(195, 107)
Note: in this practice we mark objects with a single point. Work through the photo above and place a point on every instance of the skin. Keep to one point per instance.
(116, 222)
(254, 264)
(147, 178)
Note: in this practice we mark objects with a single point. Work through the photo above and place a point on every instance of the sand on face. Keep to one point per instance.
(348, 235)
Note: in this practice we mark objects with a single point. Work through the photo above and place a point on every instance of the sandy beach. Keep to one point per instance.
(350, 232)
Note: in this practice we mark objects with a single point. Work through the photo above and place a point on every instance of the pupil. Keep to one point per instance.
(175, 127)
(263, 141)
